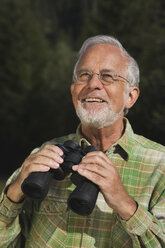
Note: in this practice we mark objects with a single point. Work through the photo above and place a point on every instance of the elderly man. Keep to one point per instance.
(128, 169)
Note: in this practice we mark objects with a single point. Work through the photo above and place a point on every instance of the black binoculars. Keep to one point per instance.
(83, 198)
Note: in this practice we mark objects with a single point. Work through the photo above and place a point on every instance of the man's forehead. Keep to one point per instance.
(103, 54)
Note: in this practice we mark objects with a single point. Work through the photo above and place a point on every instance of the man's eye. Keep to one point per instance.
(84, 75)
(107, 76)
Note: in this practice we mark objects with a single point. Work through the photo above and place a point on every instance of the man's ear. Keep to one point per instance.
(132, 97)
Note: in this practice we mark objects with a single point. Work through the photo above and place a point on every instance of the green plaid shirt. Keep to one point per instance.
(141, 165)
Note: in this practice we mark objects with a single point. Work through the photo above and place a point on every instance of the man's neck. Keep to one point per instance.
(105, 137)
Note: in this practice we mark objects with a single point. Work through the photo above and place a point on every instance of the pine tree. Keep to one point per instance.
(22, 69)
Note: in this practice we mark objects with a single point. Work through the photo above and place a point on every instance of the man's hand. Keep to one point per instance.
(99, 169)
(47, 157)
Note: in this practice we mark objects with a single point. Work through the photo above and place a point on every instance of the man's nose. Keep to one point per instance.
(95, 83)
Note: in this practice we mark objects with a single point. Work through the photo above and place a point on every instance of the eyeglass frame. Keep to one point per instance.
(99, 76)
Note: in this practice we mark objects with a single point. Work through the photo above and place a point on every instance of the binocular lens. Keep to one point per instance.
(82, 200)
(36, 185)
(79, 206)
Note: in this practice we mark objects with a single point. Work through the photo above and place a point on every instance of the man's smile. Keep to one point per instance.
(91, 100)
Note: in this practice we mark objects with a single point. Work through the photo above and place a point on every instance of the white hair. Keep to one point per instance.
(132, 72)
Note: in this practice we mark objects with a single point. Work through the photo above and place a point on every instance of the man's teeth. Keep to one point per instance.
(92, 100)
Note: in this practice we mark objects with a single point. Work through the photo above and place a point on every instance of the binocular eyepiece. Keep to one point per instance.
(83, 198)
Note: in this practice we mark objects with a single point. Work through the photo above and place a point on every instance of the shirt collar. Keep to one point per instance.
(83, 142)
(127, 139)
(125, 143)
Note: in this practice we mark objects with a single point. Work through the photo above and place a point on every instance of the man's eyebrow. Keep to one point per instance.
(103, 70)
(107, 70)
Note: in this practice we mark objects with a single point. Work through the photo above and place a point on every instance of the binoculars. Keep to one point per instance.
(83, 198)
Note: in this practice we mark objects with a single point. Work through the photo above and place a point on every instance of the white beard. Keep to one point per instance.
(98, 118)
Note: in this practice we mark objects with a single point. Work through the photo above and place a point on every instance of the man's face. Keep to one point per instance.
(96, 104)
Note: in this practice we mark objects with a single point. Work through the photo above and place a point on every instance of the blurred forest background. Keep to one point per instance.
(39, 40)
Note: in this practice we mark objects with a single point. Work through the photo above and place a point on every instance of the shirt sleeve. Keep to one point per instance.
(9, 221)
(14, 222)
(9, 217)
(147, 229)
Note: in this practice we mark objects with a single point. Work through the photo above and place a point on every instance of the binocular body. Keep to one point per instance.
(83, 198)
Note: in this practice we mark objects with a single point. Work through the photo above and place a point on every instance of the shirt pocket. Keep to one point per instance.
(49, 223)
(50, 206)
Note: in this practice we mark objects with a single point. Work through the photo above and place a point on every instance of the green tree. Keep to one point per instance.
(23, 61)
(52, 108)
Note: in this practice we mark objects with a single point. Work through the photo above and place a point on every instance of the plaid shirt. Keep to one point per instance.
(48, 223)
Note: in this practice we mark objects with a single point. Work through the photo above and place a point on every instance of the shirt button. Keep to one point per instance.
(47, 208)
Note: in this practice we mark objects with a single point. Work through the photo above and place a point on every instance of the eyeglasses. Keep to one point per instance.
(106, 77)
